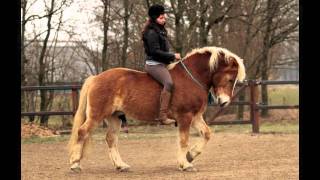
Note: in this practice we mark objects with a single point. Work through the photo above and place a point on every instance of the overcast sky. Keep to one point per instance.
(78, 16)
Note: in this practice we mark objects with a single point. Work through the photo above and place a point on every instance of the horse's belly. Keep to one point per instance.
(141, 105)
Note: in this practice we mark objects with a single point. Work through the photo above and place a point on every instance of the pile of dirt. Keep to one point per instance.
(32, 129)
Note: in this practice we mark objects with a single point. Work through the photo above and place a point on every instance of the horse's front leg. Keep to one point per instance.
(205, 132)
(183, 138)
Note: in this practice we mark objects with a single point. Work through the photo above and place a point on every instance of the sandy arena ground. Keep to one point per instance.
(226, 156)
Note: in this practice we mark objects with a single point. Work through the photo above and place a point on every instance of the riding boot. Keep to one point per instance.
(165, 98)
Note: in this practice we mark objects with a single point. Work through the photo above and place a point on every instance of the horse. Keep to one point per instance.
(136, 94)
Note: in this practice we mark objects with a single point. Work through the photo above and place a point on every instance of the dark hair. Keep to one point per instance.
(151, 24)
(146, 26)
(155, 11)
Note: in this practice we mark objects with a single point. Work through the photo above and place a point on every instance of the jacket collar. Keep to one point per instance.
(158, 28)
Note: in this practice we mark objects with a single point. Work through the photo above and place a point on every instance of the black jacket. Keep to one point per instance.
(156, 44)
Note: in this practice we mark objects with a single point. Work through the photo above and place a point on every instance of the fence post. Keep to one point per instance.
(254, 111)
(74, 100)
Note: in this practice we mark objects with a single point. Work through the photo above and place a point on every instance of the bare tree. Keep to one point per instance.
(259, 27)
(88, 55)
(280, 24)
(41, 74)
(52, 9)
(250, 12)
(126, 16)
(178, 8)
(105, 22)
(23, 55)
(26, 18)
(212, 14)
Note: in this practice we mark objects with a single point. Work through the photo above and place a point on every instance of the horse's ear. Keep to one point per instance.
(222, 58)
(234, 63)
(221, 54)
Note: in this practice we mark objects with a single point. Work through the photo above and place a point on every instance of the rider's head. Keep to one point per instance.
(157, 14)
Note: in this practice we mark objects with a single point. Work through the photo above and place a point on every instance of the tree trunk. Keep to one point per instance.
(126, 33)
(264, 95)
(248, 39)
(105, 21)
(178, 25)
(202, 28)
(44, 118)
(264, 63)
(23, 56)
(264, 76)
(242, 97)
(41, 75)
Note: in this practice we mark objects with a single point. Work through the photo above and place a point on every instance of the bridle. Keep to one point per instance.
(234, 85)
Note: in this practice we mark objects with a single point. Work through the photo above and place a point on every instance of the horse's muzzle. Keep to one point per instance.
(223, 100)
(223, 104)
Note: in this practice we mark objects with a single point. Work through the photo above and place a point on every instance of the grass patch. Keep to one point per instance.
(245, 128)
(283, 95)
(152, 132)
(282, 127)
(41, 140)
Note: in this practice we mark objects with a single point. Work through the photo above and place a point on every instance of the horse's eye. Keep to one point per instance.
(230, 81)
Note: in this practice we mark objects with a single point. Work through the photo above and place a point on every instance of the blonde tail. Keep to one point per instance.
(80, 115)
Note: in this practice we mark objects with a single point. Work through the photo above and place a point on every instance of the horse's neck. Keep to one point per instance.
(198, 64)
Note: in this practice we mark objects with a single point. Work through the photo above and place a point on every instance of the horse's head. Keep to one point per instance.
(228, 70)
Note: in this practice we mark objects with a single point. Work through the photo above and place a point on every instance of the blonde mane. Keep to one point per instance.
(213, 62)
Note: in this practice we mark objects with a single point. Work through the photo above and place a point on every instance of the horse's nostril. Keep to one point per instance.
(223, 104)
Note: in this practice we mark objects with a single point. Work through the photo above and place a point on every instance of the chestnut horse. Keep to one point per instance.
(136, 94)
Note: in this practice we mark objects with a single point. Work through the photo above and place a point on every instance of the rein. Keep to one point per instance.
(204, 87)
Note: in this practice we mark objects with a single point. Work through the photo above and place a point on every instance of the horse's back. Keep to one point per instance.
(126, 77)
(130, 91)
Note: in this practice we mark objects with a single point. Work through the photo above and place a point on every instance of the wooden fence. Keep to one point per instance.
(255, 106)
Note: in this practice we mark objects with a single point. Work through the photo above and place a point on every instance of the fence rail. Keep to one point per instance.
(255, 106)
(51, 87)
(253, 103)
(74, 95)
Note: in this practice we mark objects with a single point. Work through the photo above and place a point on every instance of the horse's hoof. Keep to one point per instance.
(123, 168)
(190, 169)
(76, 167)
(189, 157)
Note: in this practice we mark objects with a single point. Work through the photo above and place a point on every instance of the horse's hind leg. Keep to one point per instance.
(113, 129)
(199, 124)
(82, 144)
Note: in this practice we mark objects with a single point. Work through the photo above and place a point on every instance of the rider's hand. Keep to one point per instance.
(177, 56)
